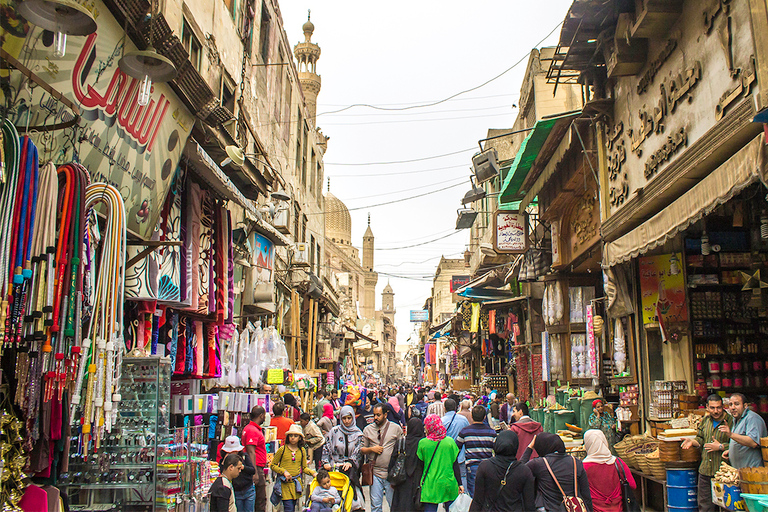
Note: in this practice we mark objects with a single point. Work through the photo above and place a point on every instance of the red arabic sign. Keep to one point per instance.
(457, 282)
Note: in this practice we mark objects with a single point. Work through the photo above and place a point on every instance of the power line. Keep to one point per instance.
(405, 161)
(417, 262)
(417, 245)
(399, 114)
(455, 180)
(395, 121)
(393, 201)
(420, 102)
(434, 169)
(453, 95)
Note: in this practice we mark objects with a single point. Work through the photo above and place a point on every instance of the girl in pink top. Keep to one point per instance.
(603, 472)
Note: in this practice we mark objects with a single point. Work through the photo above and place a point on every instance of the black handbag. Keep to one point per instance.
(397, 473)
(417, 497)
(628, 500)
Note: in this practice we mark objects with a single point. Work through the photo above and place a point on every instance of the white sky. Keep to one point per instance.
(402, 53)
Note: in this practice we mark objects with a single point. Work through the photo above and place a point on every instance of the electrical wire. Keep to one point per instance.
(417, 262)
(390, 202)
(434, 169)
(394, 121)
(399, 114)
(513, 66)
(455, 180)
(471, 98)
(403, 161)
(416, 245)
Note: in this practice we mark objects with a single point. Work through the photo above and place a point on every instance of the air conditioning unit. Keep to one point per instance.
(282, 221)
(301, 255)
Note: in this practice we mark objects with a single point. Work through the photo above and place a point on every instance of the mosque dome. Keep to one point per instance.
(308, 27)
(388, 289)
(338, 222)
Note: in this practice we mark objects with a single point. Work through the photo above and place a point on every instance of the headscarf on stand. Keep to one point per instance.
(415, 434)
(597, 448)
(348, 411)
(505, 449)
(434, 428)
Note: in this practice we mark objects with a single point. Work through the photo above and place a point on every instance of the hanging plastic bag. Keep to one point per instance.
(461, 503)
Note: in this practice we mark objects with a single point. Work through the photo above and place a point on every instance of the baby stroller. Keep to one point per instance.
(342, 484)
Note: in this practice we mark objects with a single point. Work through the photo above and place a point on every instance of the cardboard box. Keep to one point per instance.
(727, 496)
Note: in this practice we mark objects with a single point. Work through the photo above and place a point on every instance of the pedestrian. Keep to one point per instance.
(313, 438)
(748, 428)
(477, 441)
(494, 411)
(335, 400)
(436, 406)
(379, 441)
(222, 498)
(292, 409)
(441, 480)
(400, 395)
(602, 419)
(342, 452)
(325, 496)
(242, 486)
(364, 416)
(395, 414)
(525, 428)
(505, 413)
(256, 451)
(404, 495)
(410, 399)
(466, 409)
(603, 471)
(317, 410)
(290, 464)
(327, 421)
(713, 444)
(553, 460)
(504, 484)
(455, 423)
(421, 405)
(279, 421)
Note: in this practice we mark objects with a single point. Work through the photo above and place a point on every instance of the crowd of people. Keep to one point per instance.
(420, 449)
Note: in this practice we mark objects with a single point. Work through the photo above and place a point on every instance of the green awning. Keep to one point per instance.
(511, 194)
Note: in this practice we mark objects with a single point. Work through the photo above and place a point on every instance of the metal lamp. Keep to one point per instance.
(149, 67)
(466, 217)
(475, 194)
(280, 195)
(486, 165)
(235, 155)
(62, 17)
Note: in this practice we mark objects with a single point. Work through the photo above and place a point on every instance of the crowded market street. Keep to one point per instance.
(312, 256)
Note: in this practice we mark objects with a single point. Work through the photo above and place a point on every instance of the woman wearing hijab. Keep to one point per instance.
(292, 409)
(441, 480)
(403, 499)
(602, 419)
(552, 457)
(326, 422)
(342, 448)
(503, 483)
(603, 471)
(395, 413)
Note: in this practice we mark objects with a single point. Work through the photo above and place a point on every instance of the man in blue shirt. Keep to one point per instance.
(454, 423)
(476, 440)
(748, 428)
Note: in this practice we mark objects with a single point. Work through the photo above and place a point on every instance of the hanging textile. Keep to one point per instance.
(492, 321)
(475, 317)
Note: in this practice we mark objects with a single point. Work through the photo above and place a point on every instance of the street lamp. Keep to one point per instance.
(475, 194)
(486, 165)
(466, 217)
(62, 17)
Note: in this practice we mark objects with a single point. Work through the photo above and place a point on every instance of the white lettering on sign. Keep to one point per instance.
(511, 233)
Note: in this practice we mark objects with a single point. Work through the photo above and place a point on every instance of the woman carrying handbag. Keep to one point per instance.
(610, 480)
(441, 481)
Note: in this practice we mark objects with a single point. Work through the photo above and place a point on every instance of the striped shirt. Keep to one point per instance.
(477, 440)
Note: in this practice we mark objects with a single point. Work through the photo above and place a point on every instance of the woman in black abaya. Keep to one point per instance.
(403, 499)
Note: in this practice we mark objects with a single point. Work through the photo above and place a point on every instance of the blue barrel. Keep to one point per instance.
(681, 490)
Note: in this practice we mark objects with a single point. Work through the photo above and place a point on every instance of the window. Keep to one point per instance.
(296, 217)
(227, 94)
(317, 272)
(303, 228)
(192, 45)
(264, 33)
(319, 185)
(287, 108)
(312, 252)
(279, 89)
(304, 155)
(313, 176)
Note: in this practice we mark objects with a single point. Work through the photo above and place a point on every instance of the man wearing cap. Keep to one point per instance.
(242, 485)
(256, 451)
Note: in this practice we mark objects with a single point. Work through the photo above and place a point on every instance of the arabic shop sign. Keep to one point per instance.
(135, 148)
(694, 77)
(511, 232)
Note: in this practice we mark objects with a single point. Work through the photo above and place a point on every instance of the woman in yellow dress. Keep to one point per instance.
(290, 464)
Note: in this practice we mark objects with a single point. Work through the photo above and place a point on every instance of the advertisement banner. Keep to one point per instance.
(457, 282)
(135, 148)
(511, 229)
(419, 315)
(659, 287)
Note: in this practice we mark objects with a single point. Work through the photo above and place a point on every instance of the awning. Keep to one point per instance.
(212, 174)
(550, 166)
(493, 278)
(511, 192)
(747, 166)
(505, 302)
(439, 327)
(360, 335)
(483, 294)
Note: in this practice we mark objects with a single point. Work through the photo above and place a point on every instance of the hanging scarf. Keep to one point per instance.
(434, 427)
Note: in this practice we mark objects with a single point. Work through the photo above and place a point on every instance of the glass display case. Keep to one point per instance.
(121, 473)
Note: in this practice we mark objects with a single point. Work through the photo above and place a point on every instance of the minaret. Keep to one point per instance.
(388, 303)
(307, 54)
(371, 277)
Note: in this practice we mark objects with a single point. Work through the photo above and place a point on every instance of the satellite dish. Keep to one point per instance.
(367, 330)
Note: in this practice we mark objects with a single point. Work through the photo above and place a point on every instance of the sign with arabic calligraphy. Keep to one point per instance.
(135, 148)
(511, 232)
